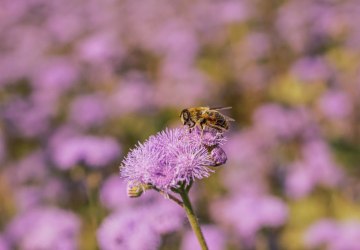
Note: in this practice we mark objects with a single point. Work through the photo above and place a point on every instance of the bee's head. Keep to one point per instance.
(186, 118)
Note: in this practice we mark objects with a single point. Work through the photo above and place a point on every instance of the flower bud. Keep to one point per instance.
(136, 190)
(218, 156)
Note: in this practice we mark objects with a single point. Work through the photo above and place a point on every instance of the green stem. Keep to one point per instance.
(192, 218)
(170, 196)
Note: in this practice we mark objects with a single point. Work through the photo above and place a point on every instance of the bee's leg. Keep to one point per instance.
(202, 134)
(189, 129)
(202, 127)
(190, 125)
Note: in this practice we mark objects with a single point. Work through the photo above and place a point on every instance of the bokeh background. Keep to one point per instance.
(82, 81)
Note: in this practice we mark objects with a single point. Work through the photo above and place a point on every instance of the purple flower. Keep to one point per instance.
(281, 122)
(133, 94)
(213, 236)
(318, 157)
(320, 233)
(88, 110)
(176, 41)
(27, 117)
(28, 196)
(140, 228)
(3, 243)
(299, 181)
(44, 228)
(168, 158)
(100, 48)
(316, 168)
(58, 75)
(183, 78)
(31, 168)
(127, 230)
(348, 236)
(335, 105)
(311, 69)
(93, 151)
(333, 235)
(247, 214)
(164, 216)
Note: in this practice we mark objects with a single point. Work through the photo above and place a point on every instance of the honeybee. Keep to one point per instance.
(206, 116)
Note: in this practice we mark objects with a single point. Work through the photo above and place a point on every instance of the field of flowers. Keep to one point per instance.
(83, 81)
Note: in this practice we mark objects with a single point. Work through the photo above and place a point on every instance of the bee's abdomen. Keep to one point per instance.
(221, 121)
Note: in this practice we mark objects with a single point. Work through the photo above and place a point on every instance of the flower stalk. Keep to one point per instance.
(192, 217)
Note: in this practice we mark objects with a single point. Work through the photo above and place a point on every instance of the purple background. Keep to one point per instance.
(82, 81)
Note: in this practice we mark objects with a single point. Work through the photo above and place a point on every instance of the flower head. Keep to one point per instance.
(171, 157)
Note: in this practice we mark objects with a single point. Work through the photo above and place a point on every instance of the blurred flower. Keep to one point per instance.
(44, 228)
(255, 46)
(189, 84)
(281, 122)
(333, 235)
(316, 168)
(31, 168)
(299, 181)
(250, 159)
(27, 118)
(3, 244)
(133, 94)
(100, 48)
(88, 111)
(30, 196)
(176, 41)
(90, 150)
(127, 230)
(214, 237)
(160, 217)
(306, 25)
(165, 217)
(110, 196)
(65, 24)
(311, 69)
(347, 237)
(27, 197)
(318, 157)
(247, 214)
(246, 149)
(166, 159)
(56, 75)
(233, 11)
(335, 104)
(321, 232)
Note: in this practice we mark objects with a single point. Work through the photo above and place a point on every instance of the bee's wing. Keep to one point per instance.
(220, 108)
(223, 108)
(228, 118)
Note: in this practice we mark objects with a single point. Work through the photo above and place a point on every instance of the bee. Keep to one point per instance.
(206, 116)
